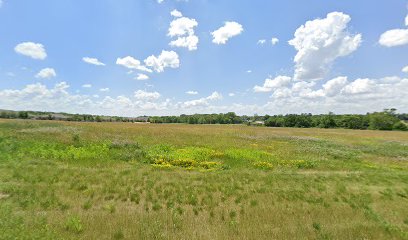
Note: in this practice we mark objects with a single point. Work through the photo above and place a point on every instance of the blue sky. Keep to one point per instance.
(207, 56)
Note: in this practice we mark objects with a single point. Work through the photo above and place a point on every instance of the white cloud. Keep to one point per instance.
(359, 86)
(215, 96)
(320, 42)
(93, 61)
(141, 76)
(104, 89)
(183, 29)
(202, 102)
(192, 92)
(46, 73)
(231, 94)
(394, 37)
(358, 96)
(165, 59)
(274, 41)
(229, 30)
(87, 85)
(30, 49)
(405, 69)
(334, 86)
(146, 96)
(406, 20)
(132, 63)
(261, 42)
(189, 42)
(182, 26)
(176, 13)
(270, 84)
(249, 71)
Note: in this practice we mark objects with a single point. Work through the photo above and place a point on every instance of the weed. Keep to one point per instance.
(74, 224)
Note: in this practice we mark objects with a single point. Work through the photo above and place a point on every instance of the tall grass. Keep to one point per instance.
(129, 181)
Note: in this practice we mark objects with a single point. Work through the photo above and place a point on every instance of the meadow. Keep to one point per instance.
(77, 180)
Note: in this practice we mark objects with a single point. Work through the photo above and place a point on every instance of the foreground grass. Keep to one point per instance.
(61, 180)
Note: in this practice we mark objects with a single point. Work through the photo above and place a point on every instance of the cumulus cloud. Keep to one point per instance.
(202, 102)
(320, 42)
(87, 85)
(93, 61)
(30, 49)
(146, 96)
(394, 37)
(46, 73)
(176, 13)
(183, 29)
(359, 86)
(189, 42)
(39, 97)
(270, 84)
(339, 95)
(274, 41)
(192, 92)
(334, 86)
(229, 30)
(166, 59)
(141, 76)
(405, 69)
(406, 20)
(104, 89)
(132, 63)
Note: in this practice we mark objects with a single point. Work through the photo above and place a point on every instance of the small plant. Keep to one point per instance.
(87, 205)
(232, 214)
(76, 139)
(156, 206)
(74, 224)
(110, 208)
(118, 235)
(316, 226)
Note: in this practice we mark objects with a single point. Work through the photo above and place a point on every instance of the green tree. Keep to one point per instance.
(382, 120)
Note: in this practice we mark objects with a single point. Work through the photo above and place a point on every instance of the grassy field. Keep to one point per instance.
(69, 180)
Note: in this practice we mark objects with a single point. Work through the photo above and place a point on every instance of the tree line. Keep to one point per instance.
(388, 119)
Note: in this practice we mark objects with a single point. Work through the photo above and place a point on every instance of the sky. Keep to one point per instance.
(171, 57)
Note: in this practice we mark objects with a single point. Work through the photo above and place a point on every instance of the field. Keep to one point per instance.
(70, 180)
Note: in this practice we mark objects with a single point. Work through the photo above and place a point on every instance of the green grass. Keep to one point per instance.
(69, 180)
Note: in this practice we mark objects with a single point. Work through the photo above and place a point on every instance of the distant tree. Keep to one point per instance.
(98, 119)
(382, 120)
(400, 126)
(328, 121)
(23, 115)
